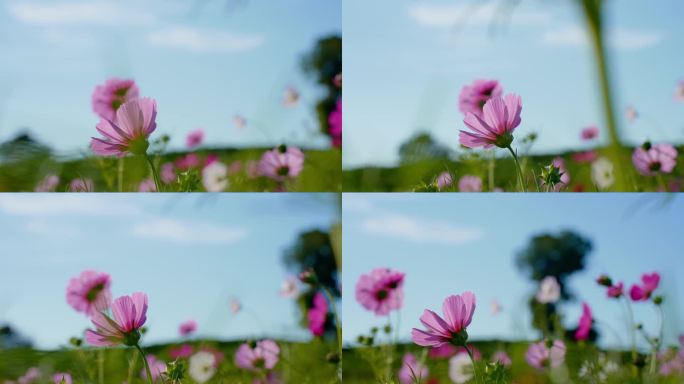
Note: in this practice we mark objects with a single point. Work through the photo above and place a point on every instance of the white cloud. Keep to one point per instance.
(67, 204)
(618, 38)
(204, 41)
(185, 232)
(451, 15)
(420, 231)
(84, 12)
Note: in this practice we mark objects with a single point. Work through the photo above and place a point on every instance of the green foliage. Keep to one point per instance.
(422, 147)
(323, 64)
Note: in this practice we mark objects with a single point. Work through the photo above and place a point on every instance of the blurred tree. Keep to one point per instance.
(9, 338)
(323, 63)
(314, 250)
(558, 255)
(21, 159)
(420, 147)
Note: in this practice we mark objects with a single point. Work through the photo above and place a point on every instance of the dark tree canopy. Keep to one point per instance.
(422, 146)
(313, 249)
(323, 63)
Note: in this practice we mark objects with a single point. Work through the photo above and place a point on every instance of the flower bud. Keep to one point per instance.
(604, 280)
(658, 300)
(333, 357)
(308, 277)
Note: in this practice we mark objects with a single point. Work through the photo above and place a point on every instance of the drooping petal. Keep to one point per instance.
(104, 148)
(426, 339)
(434, 323)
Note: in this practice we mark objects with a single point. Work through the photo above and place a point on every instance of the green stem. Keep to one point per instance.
(517, 167)
(472, 360)
(490, 171)
(155, 174)
(100, 366)
(120, 172)
(338, 327)
(661, 183)
(592, 11)
(632, 335)
(147, 366)
(656, 344)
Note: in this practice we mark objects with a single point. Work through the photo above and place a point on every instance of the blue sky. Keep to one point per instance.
(190, 254)
(447, 246)
(406, 62)
(203, 64)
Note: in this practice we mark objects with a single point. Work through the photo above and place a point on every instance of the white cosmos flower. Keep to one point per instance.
(460, 368)
(602, 173)
(202, 366)
(289, 288)
(215, 177)
(549, 290)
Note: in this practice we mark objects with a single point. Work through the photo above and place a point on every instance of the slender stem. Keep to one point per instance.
(338, 325)
(517, 167)
(661, 183)
(119, 175)
(593, 14)
(490, 173)
(657, 343)
(100, 366)
(155, 174)
(632, 335)
(147, 366)
(472, 360)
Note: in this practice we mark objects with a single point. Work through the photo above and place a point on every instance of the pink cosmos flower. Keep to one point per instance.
(290, 97)
(540, 356)
(469, 183)
(473, 97)
(585, 322)
(31, 376)
(317, 315)
(444, 180)
(559, 163)
(239, 121)
(157, 367)
(589, 133)
(187, 328)
(81, 185)
(412, 371)
(48, 184)
(182, 352)
(584, 157)
(130, 314)
(502, 358)
(616, 290)
(89, 292)
(380, 291)
(110, 96)
(495, 127)
(147, 185)
(443, 351)
(289, 288)
(631, 114)
(650, 160)
(281, 163)
(649, 283)
(335, 122)
(194, 138)
(191, 160)
(168, 173)
(60, 377)
(128, 132)
(263, 354)
(458, 313)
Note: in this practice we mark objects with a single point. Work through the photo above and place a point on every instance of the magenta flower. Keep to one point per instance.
(469, 183)
(147, 185)
(650, 160)
(443, 351)
(128, 132)
(444, 180)
(473, 97)
(130, 314)
(412, 371)
(81, 185)
(48, 184)
(585, 322)
(168, 173)
(649, 283)
(495, 127)
(281, 163)
(187, 328)
(182, 352)
(502, 358)
(584, 157)
(589, 133)
(157, 368)
(191, 160)
(335, 122)
(317, 315)
(194, 138)
(381, 291)
(541, 356)
(458, 313)
(31, 376)
(89, 292)
(260, 355)
(60, 377)
(110, 96)
(615, 291)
